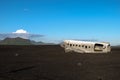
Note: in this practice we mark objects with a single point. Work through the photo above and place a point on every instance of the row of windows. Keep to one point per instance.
(78, 45)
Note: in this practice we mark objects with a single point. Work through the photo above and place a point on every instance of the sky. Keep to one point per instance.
(63, 19)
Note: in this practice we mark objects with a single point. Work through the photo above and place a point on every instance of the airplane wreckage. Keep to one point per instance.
(85, 46)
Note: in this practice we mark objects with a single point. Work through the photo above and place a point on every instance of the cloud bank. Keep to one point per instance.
(20, 33)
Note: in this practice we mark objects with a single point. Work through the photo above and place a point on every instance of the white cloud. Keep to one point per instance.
(21, 31)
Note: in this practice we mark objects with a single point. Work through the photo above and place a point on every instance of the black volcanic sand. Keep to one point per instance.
(51, 63)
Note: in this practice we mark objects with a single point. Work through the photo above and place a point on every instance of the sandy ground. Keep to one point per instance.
(51, 63)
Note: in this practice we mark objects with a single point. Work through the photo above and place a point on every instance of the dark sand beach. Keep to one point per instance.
(50, 62)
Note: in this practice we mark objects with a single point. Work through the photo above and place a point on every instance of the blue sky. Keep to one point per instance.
(63, 19)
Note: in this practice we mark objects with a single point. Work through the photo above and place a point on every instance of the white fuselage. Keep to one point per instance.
(86, 46)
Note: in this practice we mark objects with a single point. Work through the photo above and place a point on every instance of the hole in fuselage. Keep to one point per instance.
(98, 47)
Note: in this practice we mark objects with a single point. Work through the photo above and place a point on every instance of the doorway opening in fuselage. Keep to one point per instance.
(98, 47)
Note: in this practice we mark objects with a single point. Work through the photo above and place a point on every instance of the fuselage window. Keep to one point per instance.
(76, 44)
(85, 46)
(79, 45)
(89, 46)
(70, 44)
(82, 45)
(73, 44)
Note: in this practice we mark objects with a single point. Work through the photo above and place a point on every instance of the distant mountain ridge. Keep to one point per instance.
(15, 41)
(21, 41)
